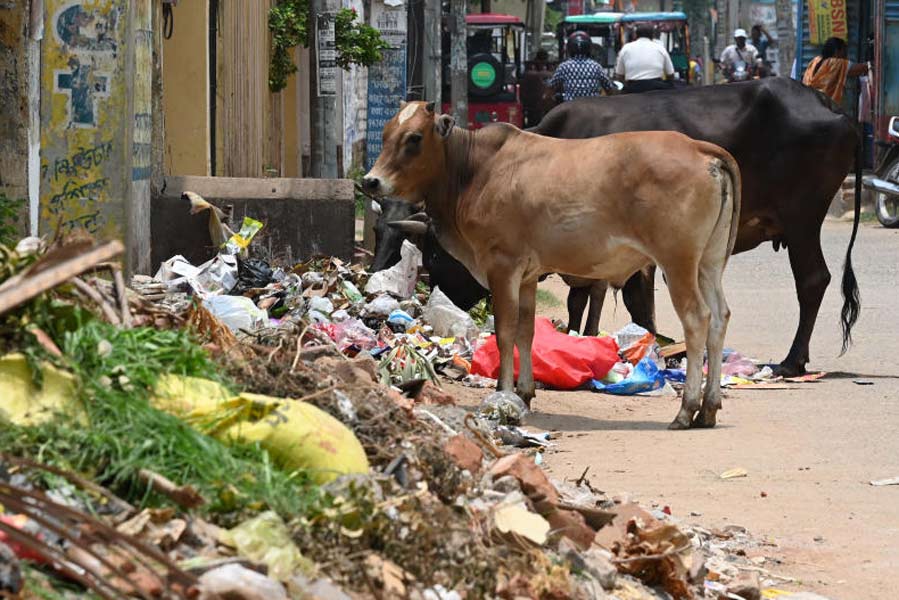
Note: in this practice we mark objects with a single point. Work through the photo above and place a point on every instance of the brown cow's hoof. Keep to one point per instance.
(704, 420)
(678, 425)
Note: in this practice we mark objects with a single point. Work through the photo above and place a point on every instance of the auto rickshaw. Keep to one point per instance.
(674, 34)
(495, 49)
(603, 29)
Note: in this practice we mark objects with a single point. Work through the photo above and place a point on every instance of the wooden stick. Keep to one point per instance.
(94, 295)
(185, 496)
(16, 291)
(121, 291)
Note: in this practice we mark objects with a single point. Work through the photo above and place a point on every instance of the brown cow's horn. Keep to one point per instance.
(409, 227)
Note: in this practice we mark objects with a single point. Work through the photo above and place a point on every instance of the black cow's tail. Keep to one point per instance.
(851, 300)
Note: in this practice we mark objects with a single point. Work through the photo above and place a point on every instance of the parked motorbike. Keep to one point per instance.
(885, 180)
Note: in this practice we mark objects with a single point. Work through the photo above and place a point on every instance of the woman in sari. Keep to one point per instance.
(827, 73)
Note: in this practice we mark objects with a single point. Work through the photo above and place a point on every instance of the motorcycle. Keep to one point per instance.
(885, 180)
(738, 72)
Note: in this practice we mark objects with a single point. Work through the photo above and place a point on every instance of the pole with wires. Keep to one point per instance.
(459, 62)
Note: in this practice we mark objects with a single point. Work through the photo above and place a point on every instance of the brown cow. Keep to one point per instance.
(512, 205)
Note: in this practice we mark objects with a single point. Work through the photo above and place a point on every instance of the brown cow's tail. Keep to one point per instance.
(736, 192)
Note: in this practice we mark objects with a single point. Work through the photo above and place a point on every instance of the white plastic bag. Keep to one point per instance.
(381, 306)
(447, 319)
(217, 276)
(399, 280)
(237, 312)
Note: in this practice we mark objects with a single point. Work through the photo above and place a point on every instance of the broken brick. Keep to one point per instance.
(465, 453)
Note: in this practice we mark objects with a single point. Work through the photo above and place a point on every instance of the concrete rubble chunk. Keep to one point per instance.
(594, 561)
(532, 478)
(239, 583)
(746, 585)
(301, 588)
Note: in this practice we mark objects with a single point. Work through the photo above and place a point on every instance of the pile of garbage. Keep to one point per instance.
(242, 430)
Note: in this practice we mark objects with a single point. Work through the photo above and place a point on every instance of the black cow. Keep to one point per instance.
(396, 222)
(794, 147)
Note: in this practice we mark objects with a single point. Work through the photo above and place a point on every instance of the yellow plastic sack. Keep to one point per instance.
(22, 403)
(295, 434)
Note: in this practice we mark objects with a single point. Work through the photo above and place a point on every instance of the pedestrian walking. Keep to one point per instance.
(828, 72)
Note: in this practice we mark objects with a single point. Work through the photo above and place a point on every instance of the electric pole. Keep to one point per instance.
(433, 55)
(459, 62)
(323, 90)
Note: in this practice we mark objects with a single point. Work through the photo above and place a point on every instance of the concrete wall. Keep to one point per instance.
(96, 121)
(19, 97)
(302, 217)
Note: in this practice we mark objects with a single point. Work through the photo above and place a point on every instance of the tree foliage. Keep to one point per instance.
(288, 21)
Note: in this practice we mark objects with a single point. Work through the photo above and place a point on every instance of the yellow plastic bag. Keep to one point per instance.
(295, 434)
(265, 539)
(22, 403)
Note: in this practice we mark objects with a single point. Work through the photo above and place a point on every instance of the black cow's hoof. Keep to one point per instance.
(787, 370)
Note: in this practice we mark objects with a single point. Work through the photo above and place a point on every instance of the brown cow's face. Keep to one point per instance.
(412, 158)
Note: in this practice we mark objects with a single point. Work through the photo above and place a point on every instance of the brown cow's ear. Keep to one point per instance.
(444, 125)
(430, 107)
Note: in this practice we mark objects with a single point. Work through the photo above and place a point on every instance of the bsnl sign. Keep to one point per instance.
(827, 19)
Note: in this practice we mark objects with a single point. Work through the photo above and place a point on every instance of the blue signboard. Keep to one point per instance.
(386, 79)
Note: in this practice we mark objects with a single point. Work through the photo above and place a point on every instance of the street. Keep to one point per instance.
(809, 451)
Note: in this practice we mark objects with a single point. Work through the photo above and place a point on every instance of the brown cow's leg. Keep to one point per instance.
(527, 307)
(812, 278)
(713, 292)
(577, 302)
(597, 298)
(694, 316)
(504, 285)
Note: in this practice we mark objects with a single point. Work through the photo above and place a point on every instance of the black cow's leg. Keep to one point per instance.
(597, 298)
(639, 298)
(577, 302)
(812, 277)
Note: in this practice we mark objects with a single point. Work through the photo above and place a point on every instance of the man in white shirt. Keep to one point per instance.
(740, 51)
(643, 63)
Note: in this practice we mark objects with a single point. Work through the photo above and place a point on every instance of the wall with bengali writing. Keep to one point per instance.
(84, 132)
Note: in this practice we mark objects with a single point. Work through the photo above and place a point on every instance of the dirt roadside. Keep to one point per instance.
(809, 451)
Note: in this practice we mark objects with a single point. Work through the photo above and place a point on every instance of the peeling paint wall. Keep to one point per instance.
(96, 122)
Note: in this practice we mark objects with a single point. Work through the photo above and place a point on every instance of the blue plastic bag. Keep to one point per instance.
(646, 377)
(675, 375)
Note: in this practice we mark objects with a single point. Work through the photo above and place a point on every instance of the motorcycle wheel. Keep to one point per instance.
(886, 205)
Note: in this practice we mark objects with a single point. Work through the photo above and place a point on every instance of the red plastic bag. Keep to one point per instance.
(562, 361)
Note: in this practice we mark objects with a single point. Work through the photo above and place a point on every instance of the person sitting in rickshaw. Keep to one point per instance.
(580, 76)
(644, 65)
